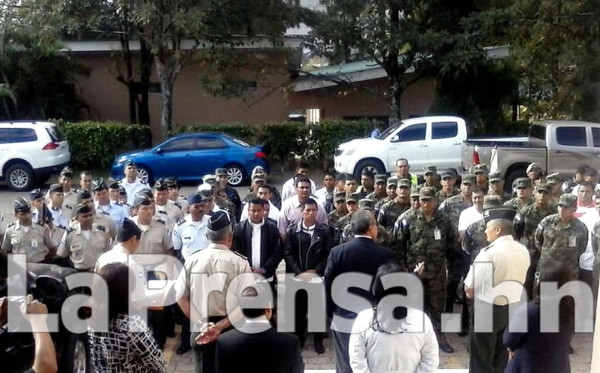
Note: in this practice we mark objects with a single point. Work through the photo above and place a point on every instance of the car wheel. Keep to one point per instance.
(76, 357)
(235, 175)
(144, 175)
(372, 165)
(19, 177)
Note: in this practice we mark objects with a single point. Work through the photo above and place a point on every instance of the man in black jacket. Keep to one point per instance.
(306, 250)
(361, 255)
(258, 240)
(259, 344)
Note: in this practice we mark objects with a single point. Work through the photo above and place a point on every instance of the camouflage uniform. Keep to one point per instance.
(504, 196)
(333, 222)
(563, 243)
(517, 204)
(442, 196)
(432, 242)
(381, 203)
(389, 213)
(376, 197)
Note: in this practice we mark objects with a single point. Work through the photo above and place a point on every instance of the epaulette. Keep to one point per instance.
(11, 224)
(61, 227)
(162, 212)
(240, 255)
(181, 222)
(177, 204)
(105, 213)
(70, 229)
(160, 221)
(69, 207)
(101, 228)
(487, 247)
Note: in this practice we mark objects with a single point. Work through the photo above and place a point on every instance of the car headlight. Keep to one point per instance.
(349, 152)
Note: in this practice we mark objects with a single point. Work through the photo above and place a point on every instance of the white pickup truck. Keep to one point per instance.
(556, 145)
(433, 140)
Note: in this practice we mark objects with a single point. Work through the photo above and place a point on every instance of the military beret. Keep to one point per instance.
(523, 182)
(340, 196)
(99, 184)
(414, 192)
(490, 202)
(367, 204)
(56, 188)
(392, 181)
(380, 179)
(21, 205)
(194, 198)
(353, 197)
(494, 176)
(258, 170)
(480, 168)
(431, 169)
(448, 174)
(36, 194)
(404, 183)
(468, 179)
(129, 163)
(122, 191)
(533, 166)
(218, 221)
(160, 184)
(427, 193)
(567, 200)
(82, 209)
(113, 184)
(221, 172)
(542, 187)
(209, 178)
(67, 171)
(141, 200)
(172, 182)
(499, 213)
(83, 194)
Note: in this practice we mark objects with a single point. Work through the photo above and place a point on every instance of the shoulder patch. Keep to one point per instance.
(70, 229)
(160, 221)
(240, 255)
(101, 228)
(162, 212)
(11, 224)
(181, 222)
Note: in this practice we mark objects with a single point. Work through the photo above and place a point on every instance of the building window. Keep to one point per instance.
(313, 116)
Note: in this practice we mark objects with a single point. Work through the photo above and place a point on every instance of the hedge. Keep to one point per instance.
(94, 145)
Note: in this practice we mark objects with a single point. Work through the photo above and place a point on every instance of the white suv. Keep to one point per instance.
(31, 152)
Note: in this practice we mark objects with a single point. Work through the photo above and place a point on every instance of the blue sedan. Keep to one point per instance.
(190, 156)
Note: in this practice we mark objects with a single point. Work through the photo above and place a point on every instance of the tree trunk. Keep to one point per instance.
(393, 70)
(145, 72)
(166, 87)
(128, 79)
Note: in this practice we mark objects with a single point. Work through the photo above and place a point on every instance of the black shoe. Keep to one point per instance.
(183, 349)
(445, 346)
(319, 348)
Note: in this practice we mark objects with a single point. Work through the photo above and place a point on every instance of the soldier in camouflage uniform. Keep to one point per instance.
(448, 186)
(379, 192)
(392, 185)
(526, 222)
(481, 176)
(369, 205)
(555, 182)
(523, 198)
(431, 178)
(339, 200)
(352, 207)
(562, 236)
(429, 237)
(390, 211)
(496, 187)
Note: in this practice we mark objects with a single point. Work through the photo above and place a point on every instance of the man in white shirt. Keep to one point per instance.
(131, 183)
(503, 260)
(289, 187)
(471, 214)
(291, 209)
(586, 212)
(264, 192)
(325, 194)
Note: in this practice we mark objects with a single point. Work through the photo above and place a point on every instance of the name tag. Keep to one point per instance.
(34, 244)
(437, 234)
(15, 241)
(572, 241)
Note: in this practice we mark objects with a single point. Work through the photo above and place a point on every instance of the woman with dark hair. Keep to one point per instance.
(392, 339)
(537, 351)
(128, 345)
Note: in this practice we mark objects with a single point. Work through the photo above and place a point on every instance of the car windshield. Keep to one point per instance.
(389, 130)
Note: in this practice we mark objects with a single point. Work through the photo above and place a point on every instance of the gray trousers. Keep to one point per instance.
(340, 346)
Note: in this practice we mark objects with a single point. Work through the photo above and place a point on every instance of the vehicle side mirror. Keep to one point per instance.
(395, 138)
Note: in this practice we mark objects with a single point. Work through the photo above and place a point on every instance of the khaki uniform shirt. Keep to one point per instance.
(212, 260)
(155, 238)
(169, 213)
(69, 203)
(84, 251)
(31, 240)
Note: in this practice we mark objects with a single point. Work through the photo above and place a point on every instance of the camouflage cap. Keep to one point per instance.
(392, 181)
(431, 169)
(567, 200)
(534, 166)
(468, 179)
(427, 193)
(495, 176)
(258, 177)
(414, 192)
(490, 202)
(367, 204)
(448, 174)
(221, 172)
(480, 168)
(404, 183)
(542, 187)
(380, 178)
(554, 178)
(56, 188)
(340, 196)
(353, 197)
(523, 182)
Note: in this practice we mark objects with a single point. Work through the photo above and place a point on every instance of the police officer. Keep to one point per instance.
(103, 204)
(496, 186)
(189, 234)
(390, 211)
(84, 242)
(562, 236)
(526, 222)
(523, 198)
(379, 192)
(69, 194)
(39, 211)
(165, 208)
(24, 237)
(131, 183)
(178, 200)
(428, 236)
(155, 235)
(448, 186)
(232, 194)
(102, 220)
(60, 214)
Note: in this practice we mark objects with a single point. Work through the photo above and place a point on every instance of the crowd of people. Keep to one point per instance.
(438, 227)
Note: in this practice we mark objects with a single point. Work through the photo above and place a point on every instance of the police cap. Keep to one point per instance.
(218, 221)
